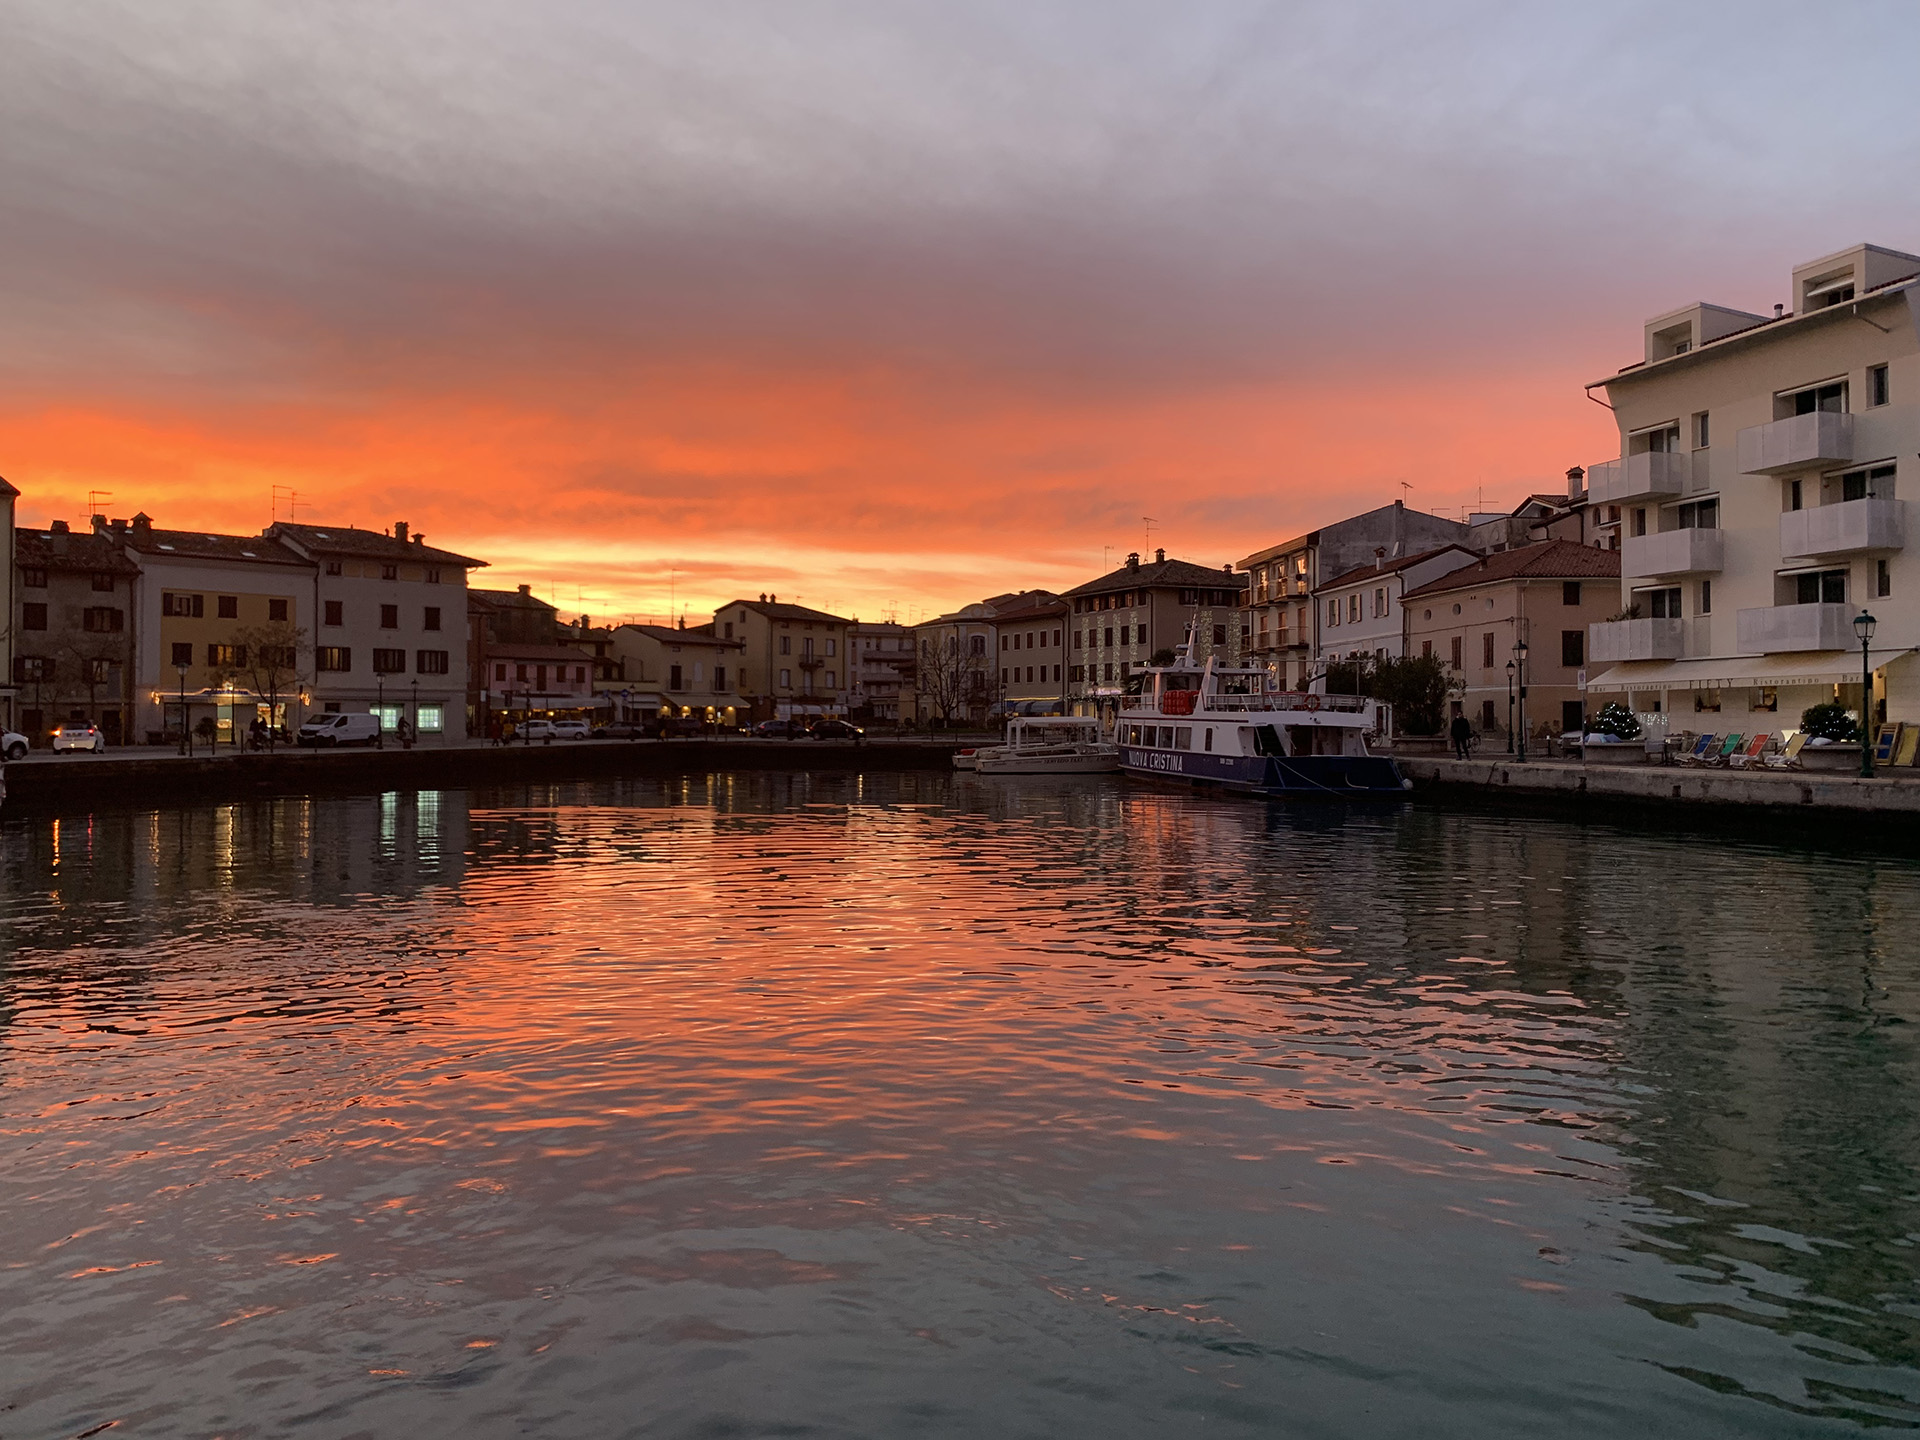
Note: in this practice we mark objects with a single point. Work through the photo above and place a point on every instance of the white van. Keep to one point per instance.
(339, 730)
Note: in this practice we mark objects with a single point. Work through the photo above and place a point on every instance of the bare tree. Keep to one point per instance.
(269, 656)
(953, 676)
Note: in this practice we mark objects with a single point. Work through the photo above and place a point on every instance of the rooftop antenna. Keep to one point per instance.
(1151, 522)
(94, 500)
(1106, 558)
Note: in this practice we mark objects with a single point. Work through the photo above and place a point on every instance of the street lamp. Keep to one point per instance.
(1863, 624)
(1520, 676)
(1511, 667)
(415, 738)
(186, 735)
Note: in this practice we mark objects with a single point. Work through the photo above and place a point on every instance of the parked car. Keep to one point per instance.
(572, 730)
(339, 729)
(13, 745)
(533, 730)
(836, 730)
(79, 735)
(620, 730)
(778, 729)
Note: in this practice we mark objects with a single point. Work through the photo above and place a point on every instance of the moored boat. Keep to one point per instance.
(1050, 745)
(1214, 725)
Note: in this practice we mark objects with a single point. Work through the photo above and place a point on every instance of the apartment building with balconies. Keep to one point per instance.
(881, 658)
(1760, 481)
(1124, 618)
(794, 664)
(679, 671)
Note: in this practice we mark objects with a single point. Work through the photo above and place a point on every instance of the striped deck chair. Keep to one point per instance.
(1789, 758)
(1698, 755)
(1724, 755)
(1751, 754)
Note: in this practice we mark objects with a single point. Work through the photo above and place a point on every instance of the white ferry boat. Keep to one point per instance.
(1213, 725)
(1050, 745)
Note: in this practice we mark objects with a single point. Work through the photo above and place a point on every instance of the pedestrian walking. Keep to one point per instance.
(1462, 733)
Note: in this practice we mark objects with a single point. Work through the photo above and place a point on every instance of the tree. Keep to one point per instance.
(1618, 721)
(269, 657)
(1830, 722)
(1417, 686)
(952, 675)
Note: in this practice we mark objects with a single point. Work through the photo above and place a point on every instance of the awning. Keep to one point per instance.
(1732, 672)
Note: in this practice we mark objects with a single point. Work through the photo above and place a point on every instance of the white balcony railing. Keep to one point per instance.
(1847, 528)
(1796, 443)
(1782, 628)
(1614, 641)
(1672, 552)
(1655, 475)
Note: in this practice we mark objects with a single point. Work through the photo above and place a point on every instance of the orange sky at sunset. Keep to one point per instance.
(881, 307)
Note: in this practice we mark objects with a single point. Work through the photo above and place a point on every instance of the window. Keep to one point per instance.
(499, 671)
(1379, 601)
(1573, 648)
(277, 611)
(33, 577)
(431, 619)
(103, 620)
(1109, 670)
(1793, 495)
(1570, 592)
(786, 678)
(1108, 633)
(1877, 386)
(520, 672)
(431, 720)
(830, 680)
(1702, 433)
(1333, 612)
(227, 606)
(433, 575)
(1219, 634)
(1830, 398)
(191, 607)
(1640, 520)
(389, 662)
(389, 572)
(182, 652)
(1706, 598)
(1882, 581)
(977, 645)
(786, 645)
(830, 649)
(580, 674)
(1768, 700)
(1867, 484)
(103, 581)
(1823, 587)
(1486, 651)
(1662, 604)
(1426, 649)
(33, 616)
(430, 662)
(1006, 643)
(719, 678)
(389, 617)
(96, 672)
(675, 681)
(1353, 607)
(333, 567)
(1458, 643)
(32, 668)
(1699, 514)
(333, 613)
(226, 657)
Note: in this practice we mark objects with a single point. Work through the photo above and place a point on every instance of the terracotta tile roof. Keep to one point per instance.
(1549, 560)
(780, 610)
(674, 635)
(1162, 574)
(54, 550)
(200, 545)
(367, 544)
(1389, 567)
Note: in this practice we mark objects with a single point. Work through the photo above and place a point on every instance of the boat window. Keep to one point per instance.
(1302, 738)
(1183, 737)
(1166, 737)
(1209, 739)
(1266, 741)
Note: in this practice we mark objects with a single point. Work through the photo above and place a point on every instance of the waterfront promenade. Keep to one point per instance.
(1668, 785)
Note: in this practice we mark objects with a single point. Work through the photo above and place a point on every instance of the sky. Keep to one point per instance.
(885, 307)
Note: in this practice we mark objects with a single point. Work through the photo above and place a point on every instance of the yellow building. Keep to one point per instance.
(795, 660)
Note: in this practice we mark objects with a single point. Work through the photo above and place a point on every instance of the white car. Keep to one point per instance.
(554, 730)
(13, 745)
(79, 735)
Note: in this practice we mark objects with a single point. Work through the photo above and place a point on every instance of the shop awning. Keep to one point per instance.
(1732, 672)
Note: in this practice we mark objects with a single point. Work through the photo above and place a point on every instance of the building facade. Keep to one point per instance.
(1761, 473)
(793, 664)
(1361, 615)
(1281, 620)
(684, 673)
(73, 624)
(1124, 618)
(955, 678)
(1031, 633)
(388, 627)
(880, 673)
(1477, 617)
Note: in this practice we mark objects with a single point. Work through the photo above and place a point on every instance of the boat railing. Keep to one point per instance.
(1277, 700)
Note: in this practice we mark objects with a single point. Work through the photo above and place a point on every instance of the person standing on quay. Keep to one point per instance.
(1462, 733)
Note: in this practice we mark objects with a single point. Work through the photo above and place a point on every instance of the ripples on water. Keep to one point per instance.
(915, 1105)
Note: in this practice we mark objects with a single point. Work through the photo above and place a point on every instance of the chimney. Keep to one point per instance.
(774, 598)
(1133, 561)
(1576, 483)
(143, 524)
(119, 527)
(1159, 557)
(1778, 310)
(526, 590)
(57, 527)
(763, 597)
(99, 523)
(1379, 556)
(683, 622)
(400, 531)
(419, 539)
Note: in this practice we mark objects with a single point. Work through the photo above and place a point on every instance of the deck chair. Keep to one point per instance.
(1789, 758)
(1697, 755)
(1751, 754)
(1724, 754)
(1886, 742)
(1909, 751)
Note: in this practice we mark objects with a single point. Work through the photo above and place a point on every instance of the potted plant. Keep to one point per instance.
(1613, 737)
(1833, 739)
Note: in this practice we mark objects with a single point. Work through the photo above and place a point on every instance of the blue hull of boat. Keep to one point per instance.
(1342, 776)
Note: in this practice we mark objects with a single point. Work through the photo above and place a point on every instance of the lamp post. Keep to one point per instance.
(1520, 677)
(186, 735)
(1511, 667)
(1863, 624)
(380, 711)
(414, 739)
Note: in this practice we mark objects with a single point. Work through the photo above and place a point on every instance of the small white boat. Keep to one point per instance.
(963, 759)
(1050, 745)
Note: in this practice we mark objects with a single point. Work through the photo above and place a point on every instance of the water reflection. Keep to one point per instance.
(913, 1103)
